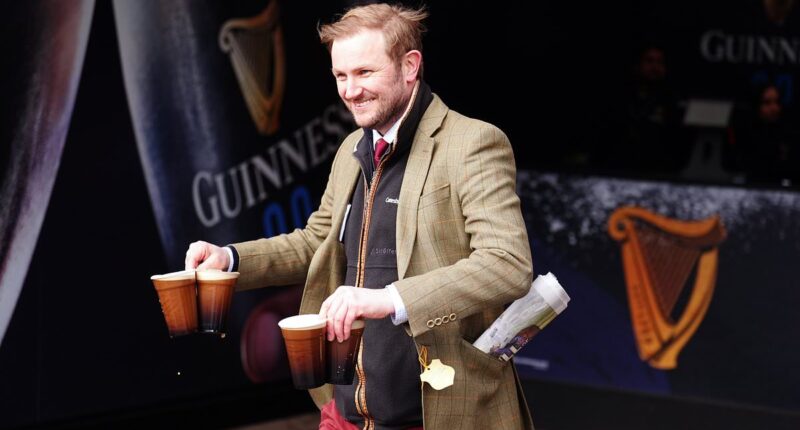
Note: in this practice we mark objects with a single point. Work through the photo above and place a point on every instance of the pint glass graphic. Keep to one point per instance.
(45, 42)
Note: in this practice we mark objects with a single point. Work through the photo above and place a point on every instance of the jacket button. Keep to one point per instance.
(437, 321)
(445, 319)
(452, 317)
(430, 324)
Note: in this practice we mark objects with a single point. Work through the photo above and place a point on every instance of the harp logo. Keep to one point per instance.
(255, 48)
(659, 256)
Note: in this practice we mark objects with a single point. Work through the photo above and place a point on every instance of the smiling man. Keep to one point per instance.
(419, 233)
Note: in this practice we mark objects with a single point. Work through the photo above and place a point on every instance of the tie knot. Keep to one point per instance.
(380, 149)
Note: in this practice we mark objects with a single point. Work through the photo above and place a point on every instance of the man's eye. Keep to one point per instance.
(365, 72)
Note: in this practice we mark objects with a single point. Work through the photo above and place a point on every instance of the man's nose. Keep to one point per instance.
(352, 89)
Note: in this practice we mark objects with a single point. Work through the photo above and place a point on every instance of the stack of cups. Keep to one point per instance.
(182, 293)
(313, 360)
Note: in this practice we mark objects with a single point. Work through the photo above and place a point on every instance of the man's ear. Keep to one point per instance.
(412, 60)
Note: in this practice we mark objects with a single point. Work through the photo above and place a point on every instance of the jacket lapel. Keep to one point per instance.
(350, 171)
(419, 162)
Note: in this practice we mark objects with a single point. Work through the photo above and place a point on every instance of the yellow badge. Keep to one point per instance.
(438, 375)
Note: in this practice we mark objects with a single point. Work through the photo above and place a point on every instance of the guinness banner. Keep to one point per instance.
(676, 289)
(228, 148)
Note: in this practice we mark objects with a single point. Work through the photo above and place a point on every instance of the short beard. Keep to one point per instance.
(386, 116)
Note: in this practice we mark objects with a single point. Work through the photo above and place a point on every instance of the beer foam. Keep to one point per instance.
(551, 291)
(299, 322)
(215, 275)
(175, 276)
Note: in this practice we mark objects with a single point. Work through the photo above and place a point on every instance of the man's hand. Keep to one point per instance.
(204, 255)
(347, 304)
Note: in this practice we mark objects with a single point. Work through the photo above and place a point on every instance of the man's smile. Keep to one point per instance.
(362, 104)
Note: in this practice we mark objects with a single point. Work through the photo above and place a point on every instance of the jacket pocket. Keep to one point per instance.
(475, 359)
(435, 196)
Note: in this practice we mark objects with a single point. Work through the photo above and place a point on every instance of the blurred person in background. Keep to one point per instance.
(650, 141)
(768, 147)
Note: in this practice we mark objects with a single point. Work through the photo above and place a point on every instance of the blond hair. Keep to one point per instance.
(402, 27)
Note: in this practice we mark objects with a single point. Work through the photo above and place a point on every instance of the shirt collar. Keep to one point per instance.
(390, 135)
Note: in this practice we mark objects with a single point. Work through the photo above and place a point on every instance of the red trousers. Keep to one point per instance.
(331, 420)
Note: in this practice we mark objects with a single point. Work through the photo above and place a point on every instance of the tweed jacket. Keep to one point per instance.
(462, 253)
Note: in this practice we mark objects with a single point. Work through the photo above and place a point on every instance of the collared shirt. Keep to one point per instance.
(390, 135)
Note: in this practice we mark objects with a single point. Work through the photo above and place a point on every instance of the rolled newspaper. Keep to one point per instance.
(524, 318)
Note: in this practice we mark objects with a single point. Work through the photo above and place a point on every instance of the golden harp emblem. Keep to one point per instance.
(659, 255)
(255, 47)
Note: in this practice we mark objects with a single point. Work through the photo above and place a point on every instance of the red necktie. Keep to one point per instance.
(380, 148)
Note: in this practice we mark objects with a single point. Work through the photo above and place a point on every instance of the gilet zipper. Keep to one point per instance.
(369, 198)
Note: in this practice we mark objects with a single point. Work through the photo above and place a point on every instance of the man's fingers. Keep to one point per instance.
(195, 255)
(211, 262)
(323, 312)
(343, 307)
(354, 308)
(348, 322)
(191, 259)
(339, 320)
(203, 255)
(334, 307)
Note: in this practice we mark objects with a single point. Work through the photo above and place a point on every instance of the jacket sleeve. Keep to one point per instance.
(284, 259)
(497, 268)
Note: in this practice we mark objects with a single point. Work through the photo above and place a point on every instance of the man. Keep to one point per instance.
(419, 232)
